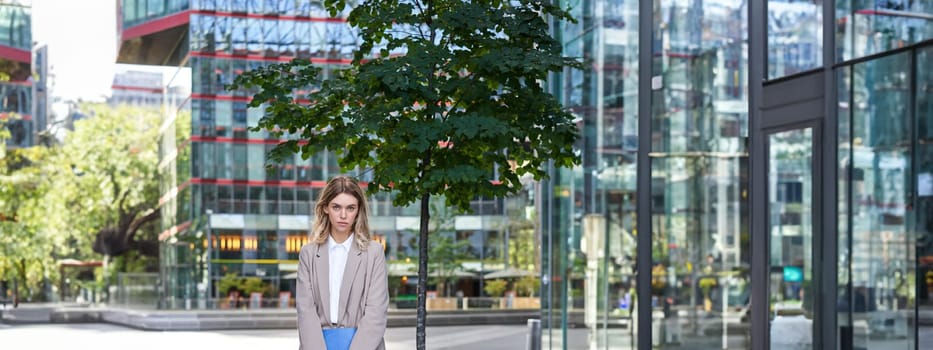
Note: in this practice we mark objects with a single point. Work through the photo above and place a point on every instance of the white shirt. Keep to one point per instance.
(338, 253)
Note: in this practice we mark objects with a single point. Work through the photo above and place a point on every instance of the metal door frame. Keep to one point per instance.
(793, 103)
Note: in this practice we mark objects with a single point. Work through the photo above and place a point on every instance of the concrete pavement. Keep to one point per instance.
(111, 337)
(194, 320)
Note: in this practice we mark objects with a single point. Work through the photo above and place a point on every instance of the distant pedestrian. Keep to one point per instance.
(342, 291)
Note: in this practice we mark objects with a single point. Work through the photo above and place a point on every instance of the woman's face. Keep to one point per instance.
(341, 211)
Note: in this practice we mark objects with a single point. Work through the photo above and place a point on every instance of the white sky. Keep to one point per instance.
(82, 40)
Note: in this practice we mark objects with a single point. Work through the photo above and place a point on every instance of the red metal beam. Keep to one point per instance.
(15, 54)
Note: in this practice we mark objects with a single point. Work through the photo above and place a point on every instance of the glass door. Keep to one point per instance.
(791, 185)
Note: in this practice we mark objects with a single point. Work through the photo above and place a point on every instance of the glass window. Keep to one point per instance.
(223, 161)
(254, 36)
(287, 168)
(272, 199)
(303, 201)
(240, 162)
(239, 198)
(256, 199)
(197, 199)
(791, 229)
(303, 170)
(239, 6)
(223, 110)
(303, 39)
(882, 259)
(207, 159)
(699, 214)
(238, 37)
(868, 27)
(224, 199)
(592, 204)
(319, 39)
(255, 162)
(209, 192)
(267, 245)
(240, 66)
(270, 37)
(155, 8)
(795, 36)
(924, 190)
(317, 9)
(493, 246)
(287, 202)
(129, 13)
(223, 34)
(239, 119)
(286, 38)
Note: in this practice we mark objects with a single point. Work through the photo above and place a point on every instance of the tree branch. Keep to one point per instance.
(139, 222)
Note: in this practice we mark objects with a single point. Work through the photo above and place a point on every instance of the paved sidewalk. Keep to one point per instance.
(195, 320)
(110, 337)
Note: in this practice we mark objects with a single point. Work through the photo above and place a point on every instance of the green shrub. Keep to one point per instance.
(495, 288)
(528, 286)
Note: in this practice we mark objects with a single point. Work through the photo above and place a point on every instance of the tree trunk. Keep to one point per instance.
(22, 285)
(422, 272)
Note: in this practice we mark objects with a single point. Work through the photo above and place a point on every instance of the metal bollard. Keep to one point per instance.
(534, 335)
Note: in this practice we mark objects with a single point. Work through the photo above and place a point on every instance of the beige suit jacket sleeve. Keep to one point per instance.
(310, 336)
(371, 327)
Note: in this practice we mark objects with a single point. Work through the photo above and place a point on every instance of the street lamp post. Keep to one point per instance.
(210, 249)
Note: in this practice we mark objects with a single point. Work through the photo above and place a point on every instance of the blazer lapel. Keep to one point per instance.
(322, 271)
(354, 258)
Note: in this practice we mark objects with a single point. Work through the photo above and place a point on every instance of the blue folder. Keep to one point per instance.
(338, 338)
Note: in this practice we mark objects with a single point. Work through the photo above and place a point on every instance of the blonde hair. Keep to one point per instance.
(320, 230)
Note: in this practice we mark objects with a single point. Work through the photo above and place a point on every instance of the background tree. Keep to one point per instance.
(25, 240)
(112, 192)
(523, 244)
(107, 188)
(93, 194)
(442, 97)
(448, 252)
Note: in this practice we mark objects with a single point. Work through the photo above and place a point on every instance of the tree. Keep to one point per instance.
(523, 253)
(25, 241)
(106, 180)
(448, 255)
(110, 180)
(442, 97)
(92, 194)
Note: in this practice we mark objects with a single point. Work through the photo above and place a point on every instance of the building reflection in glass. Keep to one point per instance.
(700, 244)
(588, 293)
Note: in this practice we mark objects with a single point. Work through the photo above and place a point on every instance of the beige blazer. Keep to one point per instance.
(364, 296)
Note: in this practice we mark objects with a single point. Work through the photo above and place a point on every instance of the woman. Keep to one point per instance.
(342, 281)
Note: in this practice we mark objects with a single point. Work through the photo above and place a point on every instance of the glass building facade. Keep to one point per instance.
(223, 210)
(16, 92)
(754, 175)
